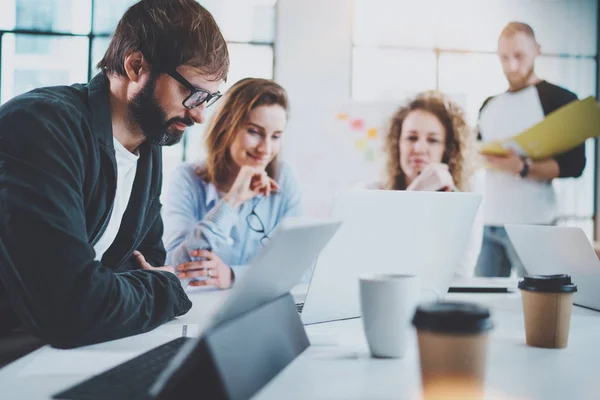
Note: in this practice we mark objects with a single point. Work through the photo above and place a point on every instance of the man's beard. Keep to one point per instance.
(148, 115)
(520, 83)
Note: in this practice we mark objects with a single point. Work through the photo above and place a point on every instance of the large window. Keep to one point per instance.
(450, 46)
(59, 42)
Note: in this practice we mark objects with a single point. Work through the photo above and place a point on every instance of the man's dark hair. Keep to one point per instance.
(169, 33)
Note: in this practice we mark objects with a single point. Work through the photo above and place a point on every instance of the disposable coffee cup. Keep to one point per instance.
(547, 305)
(453, 342)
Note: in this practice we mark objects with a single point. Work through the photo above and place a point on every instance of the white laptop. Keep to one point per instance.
(423, 233)
(548, 250)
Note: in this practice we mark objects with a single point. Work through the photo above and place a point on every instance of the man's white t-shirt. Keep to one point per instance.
(126, 169)
(506, 198)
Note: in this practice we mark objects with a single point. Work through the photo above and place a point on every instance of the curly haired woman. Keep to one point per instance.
(429, 148)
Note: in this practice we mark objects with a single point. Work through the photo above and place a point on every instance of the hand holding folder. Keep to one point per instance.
(561, 131)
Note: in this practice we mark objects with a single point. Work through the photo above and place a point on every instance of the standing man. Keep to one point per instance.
(81, 253)
(517, 189)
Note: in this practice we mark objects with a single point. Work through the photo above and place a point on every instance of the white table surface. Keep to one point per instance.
(338, 365)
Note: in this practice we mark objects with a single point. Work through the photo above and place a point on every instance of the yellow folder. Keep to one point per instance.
(560, 131)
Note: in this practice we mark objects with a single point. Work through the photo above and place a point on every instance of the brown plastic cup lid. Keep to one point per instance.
(560, 283)
(452, 317)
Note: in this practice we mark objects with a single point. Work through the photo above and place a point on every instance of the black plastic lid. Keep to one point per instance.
(452, 317)
(548, 284)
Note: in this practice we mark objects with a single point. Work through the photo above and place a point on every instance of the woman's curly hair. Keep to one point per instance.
(459, 140)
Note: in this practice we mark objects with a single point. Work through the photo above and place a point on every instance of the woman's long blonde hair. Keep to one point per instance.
(234, 111)
(457, 148)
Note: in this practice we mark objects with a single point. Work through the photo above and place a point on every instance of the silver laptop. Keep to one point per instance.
(547, 250)
(422, 233)
(278, 267)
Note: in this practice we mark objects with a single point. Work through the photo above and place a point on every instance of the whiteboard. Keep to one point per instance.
(333, 147)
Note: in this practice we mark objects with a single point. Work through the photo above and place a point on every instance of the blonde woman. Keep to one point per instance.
(429, 148)
(221, 211)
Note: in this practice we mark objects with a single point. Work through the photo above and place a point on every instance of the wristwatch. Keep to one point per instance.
(526, 166)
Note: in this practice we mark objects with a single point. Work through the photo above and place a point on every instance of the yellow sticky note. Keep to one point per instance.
(372, 133)
(360, 144)
(342, 116)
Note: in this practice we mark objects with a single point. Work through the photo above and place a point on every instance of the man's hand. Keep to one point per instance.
(218, 273)
(249, 183)
(511, 163)
(434, 177)
(144, 264)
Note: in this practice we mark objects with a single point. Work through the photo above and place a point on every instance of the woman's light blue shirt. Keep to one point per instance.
(196, 217)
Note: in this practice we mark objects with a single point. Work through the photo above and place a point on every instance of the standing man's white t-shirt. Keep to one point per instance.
(126, 169)
(509, 199)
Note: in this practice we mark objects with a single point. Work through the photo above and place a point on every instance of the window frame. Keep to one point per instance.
(92, 36)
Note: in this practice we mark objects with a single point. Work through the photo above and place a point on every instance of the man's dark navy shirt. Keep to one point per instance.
(57, 187)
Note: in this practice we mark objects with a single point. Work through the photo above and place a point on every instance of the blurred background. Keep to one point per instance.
(346, 65)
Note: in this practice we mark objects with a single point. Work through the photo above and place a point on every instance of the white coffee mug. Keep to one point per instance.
(388, 302)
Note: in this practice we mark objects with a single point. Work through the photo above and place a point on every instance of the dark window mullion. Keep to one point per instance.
(51, 33)
(596, 140)
(1, 41)
(253, 43)
(90, 42)
(456, 51)
(42, 33)
(438, 54)
(275, 39)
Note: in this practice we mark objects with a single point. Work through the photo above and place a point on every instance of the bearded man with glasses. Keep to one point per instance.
(81, 253)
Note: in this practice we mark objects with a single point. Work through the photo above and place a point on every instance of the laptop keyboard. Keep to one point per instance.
(128, 381)
(299, 307)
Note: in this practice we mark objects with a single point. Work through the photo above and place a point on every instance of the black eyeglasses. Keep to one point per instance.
(256, 224)
(197, 95)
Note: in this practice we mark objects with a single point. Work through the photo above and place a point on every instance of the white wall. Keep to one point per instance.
(313, 49)
(313, 57)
